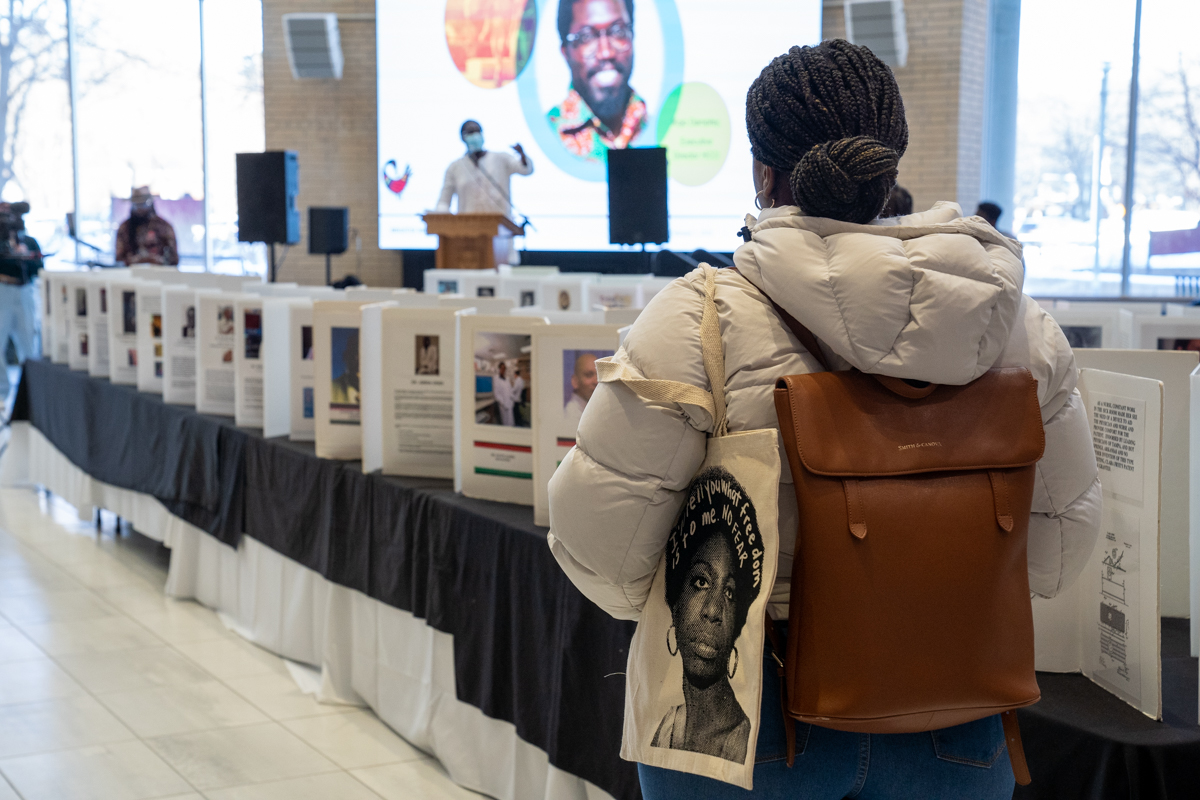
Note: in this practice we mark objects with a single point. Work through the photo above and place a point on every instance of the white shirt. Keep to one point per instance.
(427, 364)
(477, 194)
(573, 410)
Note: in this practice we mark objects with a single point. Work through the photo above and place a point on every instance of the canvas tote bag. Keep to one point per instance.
(693, 685)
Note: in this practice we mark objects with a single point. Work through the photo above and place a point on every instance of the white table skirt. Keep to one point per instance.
(369, 653)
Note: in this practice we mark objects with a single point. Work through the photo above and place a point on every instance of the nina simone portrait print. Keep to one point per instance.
(713, 575)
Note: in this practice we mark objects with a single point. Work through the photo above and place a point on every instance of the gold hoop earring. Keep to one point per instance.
(758, 201)
(733, 669)
(673, 651)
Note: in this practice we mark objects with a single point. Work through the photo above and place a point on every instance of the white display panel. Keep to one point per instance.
(502, 63)
(493, 412)
(97, 301)
(1106, 624)
(408, 390)
(564, 363)
(122, 332)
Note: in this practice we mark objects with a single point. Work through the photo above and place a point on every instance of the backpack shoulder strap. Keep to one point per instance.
(797, 328)
(713, 353)
(802, 333)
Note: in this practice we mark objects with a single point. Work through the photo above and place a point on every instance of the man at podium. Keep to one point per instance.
(482, 179)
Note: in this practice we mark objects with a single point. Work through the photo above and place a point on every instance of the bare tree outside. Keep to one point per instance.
(1172, 145)
(33, 46)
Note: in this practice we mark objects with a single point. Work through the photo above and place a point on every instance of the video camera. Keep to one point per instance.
(12, 219)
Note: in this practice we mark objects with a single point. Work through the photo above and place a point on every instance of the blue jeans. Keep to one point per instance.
(967, 762)
(18, 318)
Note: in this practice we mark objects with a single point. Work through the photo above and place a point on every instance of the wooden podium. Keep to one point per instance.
(472, 241)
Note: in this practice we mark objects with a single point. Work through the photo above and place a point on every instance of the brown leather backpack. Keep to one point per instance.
(910, 606)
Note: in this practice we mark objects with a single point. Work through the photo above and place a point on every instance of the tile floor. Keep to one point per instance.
(111, 691)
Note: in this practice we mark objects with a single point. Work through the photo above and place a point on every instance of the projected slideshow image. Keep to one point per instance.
(570, 80)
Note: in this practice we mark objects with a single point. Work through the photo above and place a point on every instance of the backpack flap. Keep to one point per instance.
(993, 423)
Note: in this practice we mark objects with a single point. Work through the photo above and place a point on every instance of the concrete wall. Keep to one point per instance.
(331, 125)
(943, 89)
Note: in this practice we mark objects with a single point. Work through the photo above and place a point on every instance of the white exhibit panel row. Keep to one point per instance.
(369, 653)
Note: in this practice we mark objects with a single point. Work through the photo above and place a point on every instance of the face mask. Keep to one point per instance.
(474, 142)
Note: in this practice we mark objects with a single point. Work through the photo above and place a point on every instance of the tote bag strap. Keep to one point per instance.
(664, 391)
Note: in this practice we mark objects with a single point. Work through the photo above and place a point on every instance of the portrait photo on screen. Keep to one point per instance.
(502, 380)
(427, 356)
(83, 344)
(80, 301)
(308, 402)
(131, 357)
(306, 350)
(252, 331)
(344, 394)
(129, 312)
(579, 381)
(570, 80)
(103, 300)
(189, 325)
(1084, 335)
(156, 325)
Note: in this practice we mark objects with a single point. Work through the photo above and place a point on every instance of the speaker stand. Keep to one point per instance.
(272, 262)
(328, 276)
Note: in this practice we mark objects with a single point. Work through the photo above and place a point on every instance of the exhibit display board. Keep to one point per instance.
(613, 291)
(1109, 326)
(77, 356)
(122, 333)
(564, 366)
(1166, 333)
(1106, 625)
(302, 376)
(149, 337)
(97, 301)
(455, 281)
(215, 341)
(247, 361)
(525, 292)
(493, 412)
(277, 364)
(482, 305)
(62, 316)
(337, 395)
(48, 316)
(179, 343)
(566, 292)
(408, 390)
(1173, 369)
(672, 74)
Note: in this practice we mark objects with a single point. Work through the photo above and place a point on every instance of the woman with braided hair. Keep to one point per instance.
(930, 296)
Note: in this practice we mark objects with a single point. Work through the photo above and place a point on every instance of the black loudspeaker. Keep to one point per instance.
(637, 196)
(328, 230)
(267, 185)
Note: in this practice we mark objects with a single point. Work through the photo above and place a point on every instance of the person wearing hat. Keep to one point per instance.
(146, 238)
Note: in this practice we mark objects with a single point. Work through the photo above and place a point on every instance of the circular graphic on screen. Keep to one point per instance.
(491, 41)
(694, 127)
(589, 88)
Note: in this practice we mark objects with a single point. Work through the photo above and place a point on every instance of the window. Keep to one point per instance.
(1072, 140)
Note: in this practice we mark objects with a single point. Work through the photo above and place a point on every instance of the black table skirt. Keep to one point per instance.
(528, 648)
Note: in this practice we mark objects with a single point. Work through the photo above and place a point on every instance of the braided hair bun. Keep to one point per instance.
(831, 118)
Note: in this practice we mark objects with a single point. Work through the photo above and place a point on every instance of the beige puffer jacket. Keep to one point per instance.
(931, 296)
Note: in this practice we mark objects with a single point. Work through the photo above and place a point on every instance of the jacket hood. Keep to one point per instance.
(930, 296)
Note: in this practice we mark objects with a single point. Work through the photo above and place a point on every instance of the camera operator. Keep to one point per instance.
(20, 263)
